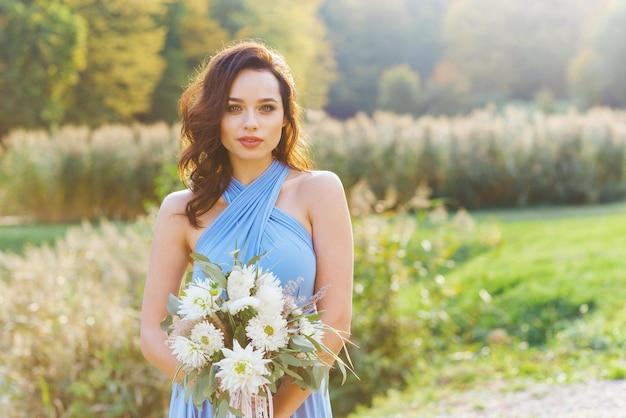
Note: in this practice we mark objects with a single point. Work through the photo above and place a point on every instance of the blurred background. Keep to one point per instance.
(91, 62)
(482, 145)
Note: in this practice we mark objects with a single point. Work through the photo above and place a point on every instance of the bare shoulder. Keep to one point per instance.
(322, 192)
(320, 183)
(176, 202)
(172, 225)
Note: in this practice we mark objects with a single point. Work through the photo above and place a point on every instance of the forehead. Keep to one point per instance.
(255, 84)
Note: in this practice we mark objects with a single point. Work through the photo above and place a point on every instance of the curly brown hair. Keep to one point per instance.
(203, 164)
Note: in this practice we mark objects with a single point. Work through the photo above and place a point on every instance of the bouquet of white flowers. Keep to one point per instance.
(237, 333)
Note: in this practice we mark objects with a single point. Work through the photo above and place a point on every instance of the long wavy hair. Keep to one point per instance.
(203, 164)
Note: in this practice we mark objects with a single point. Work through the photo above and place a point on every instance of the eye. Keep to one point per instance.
(233, 108)
(267, 108)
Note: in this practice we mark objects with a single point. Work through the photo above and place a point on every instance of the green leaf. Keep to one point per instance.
(240, 335)
(199, 257)
(197, 392)
(210, 270)
(166, 323)
(291, 373)
(314, 316)
(173, 303)
(289, 359)
(317, 376)
(302, 344)
(256, 258)
(223, 407)
(235, 411)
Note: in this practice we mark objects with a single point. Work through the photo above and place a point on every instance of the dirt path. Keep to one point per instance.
(594, 399)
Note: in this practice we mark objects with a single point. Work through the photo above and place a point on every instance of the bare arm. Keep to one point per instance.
(333, 245)
(169, 257)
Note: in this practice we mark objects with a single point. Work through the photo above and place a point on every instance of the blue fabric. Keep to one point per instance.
(252, 223)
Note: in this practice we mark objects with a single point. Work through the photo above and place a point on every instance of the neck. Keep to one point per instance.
(248, 171)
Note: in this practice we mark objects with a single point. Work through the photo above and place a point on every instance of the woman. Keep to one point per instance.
(250, 183)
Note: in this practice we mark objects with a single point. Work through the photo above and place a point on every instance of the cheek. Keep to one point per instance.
(225, 126)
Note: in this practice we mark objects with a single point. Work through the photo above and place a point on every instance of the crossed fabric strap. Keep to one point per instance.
(249, 208)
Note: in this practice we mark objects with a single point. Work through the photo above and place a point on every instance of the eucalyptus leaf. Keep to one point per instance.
(166, 324)
(293, 374)
(289, 359)
(196, 392)
(199, 257)
(302, 344)
(173, 304)
(235, 411)
(317, 376)
(223, 407)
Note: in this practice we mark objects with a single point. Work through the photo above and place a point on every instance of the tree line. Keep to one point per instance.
(90, 62)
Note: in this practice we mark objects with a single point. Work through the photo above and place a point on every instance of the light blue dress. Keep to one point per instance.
(253, 222)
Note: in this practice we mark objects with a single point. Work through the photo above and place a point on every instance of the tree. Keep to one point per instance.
(597, 72)
(296, 30)
(123, 61)
(42, 49)
(371, 36)
(512, 48)
(398, 90)
(192, 34)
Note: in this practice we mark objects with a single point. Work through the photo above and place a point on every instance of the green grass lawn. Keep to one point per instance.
(14, 238)
(555, 285)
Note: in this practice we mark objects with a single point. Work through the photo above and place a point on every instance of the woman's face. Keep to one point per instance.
(254, 117)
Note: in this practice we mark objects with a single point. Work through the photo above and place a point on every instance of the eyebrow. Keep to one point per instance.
(267, 99)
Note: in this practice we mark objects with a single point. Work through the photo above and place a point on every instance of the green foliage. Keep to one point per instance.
(123, 62)
(398, 90)
(296, 30)
(192, 34)
(42, 50)
(596, 74)
(369, 37)
(394, 330)
(577, 255)
(541, 307)
(512, 49)
(75, 173)
(92, 62)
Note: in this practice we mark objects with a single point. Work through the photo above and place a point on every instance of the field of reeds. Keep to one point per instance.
(432, 284)
(492, 158)
(75, 173)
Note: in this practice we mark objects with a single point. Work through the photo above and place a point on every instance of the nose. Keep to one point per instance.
(250, 123)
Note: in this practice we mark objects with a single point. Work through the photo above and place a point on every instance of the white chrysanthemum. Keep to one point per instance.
(199, 300)
(312, 330)
(270, 294)
(238, 305)
(268, 333)
(188, 352)
(210, 338)
(242, 370)
(241, 281)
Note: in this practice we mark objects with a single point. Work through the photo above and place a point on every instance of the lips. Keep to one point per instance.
(249, 141)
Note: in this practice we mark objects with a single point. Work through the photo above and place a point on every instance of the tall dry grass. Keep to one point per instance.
(509, 157)
(491, 158)
(69, 328)
(75, 173)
